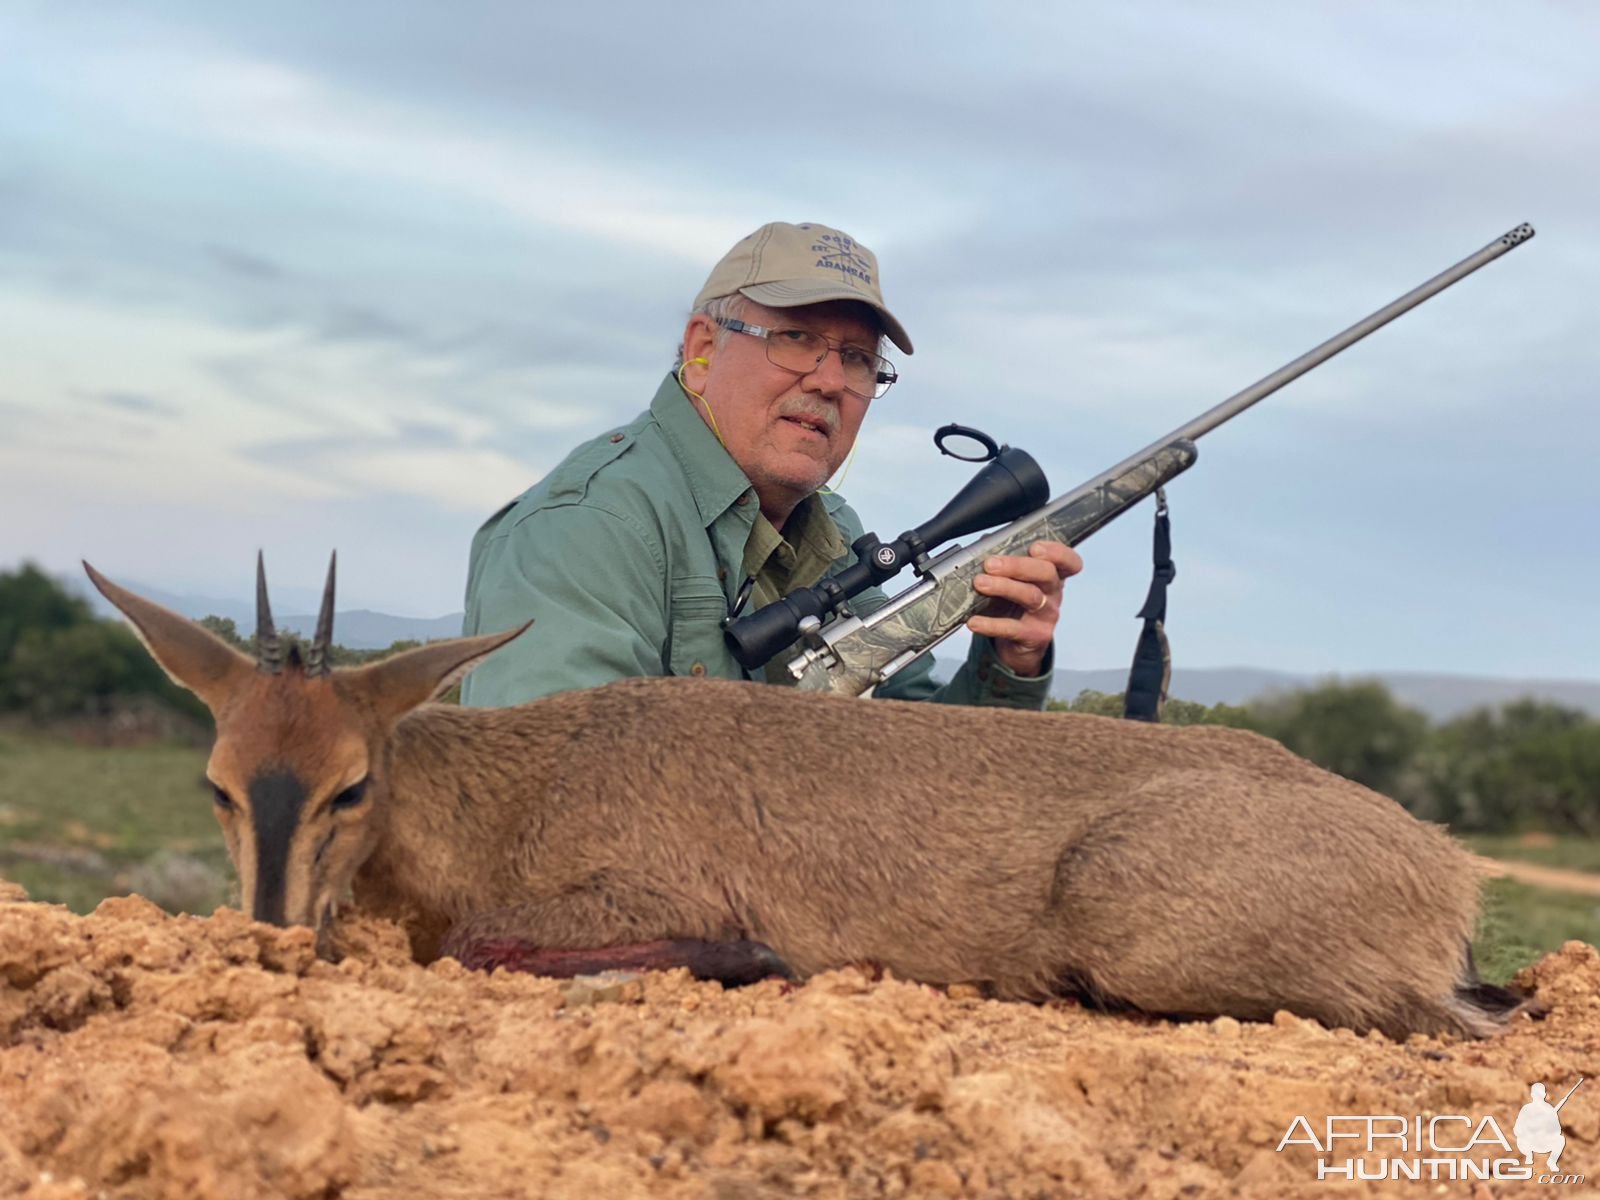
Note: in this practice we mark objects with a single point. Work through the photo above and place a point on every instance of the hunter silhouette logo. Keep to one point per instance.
(1446, 1146)
(838, 252)
(1538, 1128)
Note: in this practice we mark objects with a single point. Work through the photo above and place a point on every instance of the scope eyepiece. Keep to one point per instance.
(756, 637)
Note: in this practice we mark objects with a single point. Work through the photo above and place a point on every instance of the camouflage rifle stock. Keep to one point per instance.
(852, 655)
(861, 652)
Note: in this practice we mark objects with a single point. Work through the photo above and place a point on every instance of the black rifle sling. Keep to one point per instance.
(1152, 657)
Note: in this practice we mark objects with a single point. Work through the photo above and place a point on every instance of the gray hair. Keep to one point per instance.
(720, 308)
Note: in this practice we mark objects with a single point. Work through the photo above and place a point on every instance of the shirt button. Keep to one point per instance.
(722, 574)
(617, 437)
(698, 669)
(743, 500)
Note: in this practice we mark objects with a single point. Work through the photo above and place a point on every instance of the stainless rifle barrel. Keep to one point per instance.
(1239, 401)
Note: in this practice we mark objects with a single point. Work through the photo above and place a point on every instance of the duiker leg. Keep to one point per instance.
(732, 964)
(609, 921)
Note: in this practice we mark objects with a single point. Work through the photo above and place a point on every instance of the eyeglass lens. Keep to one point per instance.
(801, 350)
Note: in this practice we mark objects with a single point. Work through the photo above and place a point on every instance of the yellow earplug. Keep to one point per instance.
(704, 362)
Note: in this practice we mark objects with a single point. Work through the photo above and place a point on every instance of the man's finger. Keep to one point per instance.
(1030, 597)
(1063, 557)
(1031, 570)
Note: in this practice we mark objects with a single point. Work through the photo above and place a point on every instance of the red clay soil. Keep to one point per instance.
(143, 1055)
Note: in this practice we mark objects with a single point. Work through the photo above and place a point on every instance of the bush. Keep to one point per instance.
(1530, 765)
(179, 883)
(1176, 712)
(1527, 766)
(58, 672)
(1357, 730)
(32, 603)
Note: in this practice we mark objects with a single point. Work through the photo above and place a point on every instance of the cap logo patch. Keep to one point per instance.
(837, 252)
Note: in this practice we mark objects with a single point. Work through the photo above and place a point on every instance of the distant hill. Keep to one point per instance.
(1440, 696)
(358, 629)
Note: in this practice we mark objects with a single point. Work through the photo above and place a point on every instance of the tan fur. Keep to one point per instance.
(1197, 870)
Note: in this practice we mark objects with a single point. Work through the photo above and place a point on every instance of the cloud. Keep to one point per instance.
(352, 323)
(259, 105)
(464, 479)
(134, 402)
(244, 264)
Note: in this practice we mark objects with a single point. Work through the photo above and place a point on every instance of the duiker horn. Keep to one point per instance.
(319, 658)
(269, 647)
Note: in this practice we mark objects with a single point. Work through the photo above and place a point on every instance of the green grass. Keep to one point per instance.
(1520, 924)
(104, 812)
(75, 822)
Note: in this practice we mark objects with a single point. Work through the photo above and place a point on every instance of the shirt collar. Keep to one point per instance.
(817, 529)
(715, 480)
(812, 537)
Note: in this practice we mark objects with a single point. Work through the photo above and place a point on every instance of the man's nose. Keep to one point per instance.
(827, 376)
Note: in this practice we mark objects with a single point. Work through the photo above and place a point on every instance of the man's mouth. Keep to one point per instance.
(810, 424)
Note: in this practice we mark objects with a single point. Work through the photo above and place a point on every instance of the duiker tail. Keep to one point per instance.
(1483, 1009)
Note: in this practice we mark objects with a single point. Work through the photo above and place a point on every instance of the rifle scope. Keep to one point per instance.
(1011, 485)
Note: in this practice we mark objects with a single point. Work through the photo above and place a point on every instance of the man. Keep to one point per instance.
(632, 551)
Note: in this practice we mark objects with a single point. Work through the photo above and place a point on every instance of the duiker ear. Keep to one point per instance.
(397, 685)
(192, 655)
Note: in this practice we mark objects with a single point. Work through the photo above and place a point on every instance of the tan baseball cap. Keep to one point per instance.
(784, 266)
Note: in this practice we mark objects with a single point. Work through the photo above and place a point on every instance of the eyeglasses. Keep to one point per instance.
(866, 374)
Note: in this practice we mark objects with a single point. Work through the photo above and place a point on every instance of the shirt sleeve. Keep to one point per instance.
(604, 622)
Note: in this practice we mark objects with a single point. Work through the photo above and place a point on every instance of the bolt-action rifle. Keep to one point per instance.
(850, 654)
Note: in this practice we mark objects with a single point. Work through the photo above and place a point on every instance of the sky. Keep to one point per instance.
(305, 276)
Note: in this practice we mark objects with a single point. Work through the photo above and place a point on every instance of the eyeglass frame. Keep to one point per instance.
(886, 378)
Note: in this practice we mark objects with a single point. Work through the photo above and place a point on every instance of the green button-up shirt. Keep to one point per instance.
(628, 555)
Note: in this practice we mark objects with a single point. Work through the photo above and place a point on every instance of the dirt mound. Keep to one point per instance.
(143, 1055)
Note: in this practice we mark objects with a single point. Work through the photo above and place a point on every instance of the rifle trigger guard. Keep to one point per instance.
(992, 451)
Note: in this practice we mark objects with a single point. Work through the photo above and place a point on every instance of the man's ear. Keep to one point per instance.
(190, 654)
(699, 344)
(394, 686)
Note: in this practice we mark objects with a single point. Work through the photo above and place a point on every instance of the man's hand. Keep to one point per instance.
(1029, 590)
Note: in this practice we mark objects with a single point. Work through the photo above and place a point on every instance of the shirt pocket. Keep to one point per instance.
(695, 645)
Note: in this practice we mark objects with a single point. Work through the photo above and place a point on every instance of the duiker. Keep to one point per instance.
(1182, 871)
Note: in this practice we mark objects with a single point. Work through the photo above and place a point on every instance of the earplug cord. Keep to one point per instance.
(690, 391)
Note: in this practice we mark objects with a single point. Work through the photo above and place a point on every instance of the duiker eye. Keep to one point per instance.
(220, 799)
(350, 797)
